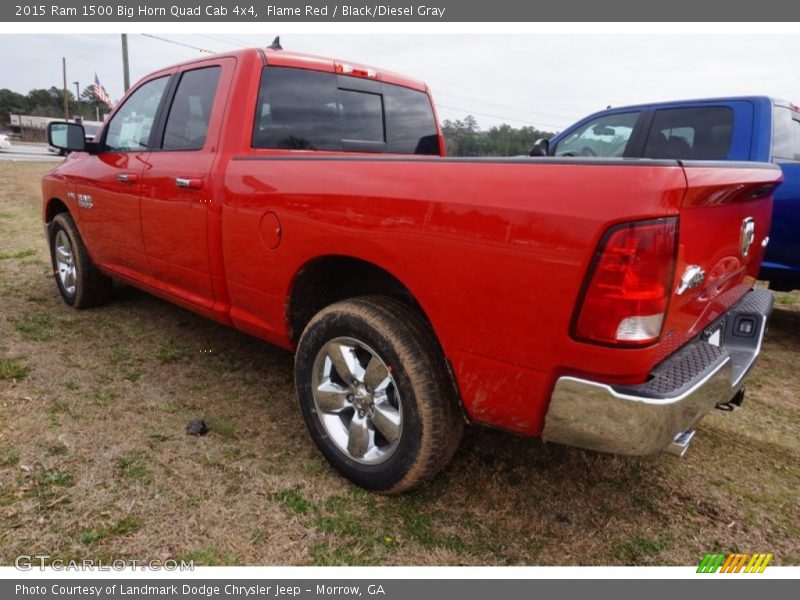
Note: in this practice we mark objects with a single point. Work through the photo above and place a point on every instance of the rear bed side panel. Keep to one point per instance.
(495, 252)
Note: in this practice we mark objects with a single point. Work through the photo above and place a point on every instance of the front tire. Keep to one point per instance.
(80, 282)
(375, 393)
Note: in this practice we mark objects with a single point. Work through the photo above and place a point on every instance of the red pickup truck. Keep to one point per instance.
(602, 303)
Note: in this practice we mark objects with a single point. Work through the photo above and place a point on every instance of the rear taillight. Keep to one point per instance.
(628, 287)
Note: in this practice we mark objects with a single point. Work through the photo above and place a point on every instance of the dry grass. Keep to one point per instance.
(94, 461)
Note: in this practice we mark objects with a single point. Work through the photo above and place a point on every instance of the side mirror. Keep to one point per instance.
(66, 136)
(540, 148)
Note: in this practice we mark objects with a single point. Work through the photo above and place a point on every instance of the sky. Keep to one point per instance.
(547, 81)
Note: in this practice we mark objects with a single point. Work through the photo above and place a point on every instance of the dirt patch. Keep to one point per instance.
(95, 461)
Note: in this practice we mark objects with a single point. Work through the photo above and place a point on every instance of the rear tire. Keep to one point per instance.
(375, 393)
(80, 282)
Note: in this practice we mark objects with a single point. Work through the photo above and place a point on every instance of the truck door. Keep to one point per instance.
(177, 187)
(108, 191)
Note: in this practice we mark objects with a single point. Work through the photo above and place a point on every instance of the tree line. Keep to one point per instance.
(50, 103)
(465, 138)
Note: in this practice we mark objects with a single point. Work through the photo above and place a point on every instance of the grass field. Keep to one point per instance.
(95, 462)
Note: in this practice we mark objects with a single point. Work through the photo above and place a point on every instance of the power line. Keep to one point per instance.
(512, 106)
(224, 40)
(502, 117)
(155, 37)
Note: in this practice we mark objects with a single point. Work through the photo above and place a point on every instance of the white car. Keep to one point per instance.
(5, 141)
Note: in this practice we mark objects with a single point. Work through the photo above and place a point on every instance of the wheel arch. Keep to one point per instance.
(53, 207)
(319, 283)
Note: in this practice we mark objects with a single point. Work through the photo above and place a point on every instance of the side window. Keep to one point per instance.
(691, 133)
(786, 134)
(129, 129)
(604, 136)
(190, 113)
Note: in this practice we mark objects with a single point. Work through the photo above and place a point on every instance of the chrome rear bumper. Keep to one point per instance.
(646, 418)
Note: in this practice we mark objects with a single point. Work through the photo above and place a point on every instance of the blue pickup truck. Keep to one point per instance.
(752, 128)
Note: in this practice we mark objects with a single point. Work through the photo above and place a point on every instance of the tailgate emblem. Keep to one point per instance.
(747, 236)
(692, 277)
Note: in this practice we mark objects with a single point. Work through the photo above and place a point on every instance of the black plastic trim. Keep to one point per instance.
(635, 147)
(160, 124)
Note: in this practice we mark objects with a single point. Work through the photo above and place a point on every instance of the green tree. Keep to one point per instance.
(465, 138)
(89, 96)
(47, 102)
(462, 138)
(11, 102)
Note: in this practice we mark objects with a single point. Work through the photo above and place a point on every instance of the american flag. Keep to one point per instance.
(101, 93)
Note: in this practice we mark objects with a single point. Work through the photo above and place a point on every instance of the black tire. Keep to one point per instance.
(92, 287)
(432, 421)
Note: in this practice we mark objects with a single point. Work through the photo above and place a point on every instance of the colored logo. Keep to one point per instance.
(734, 563)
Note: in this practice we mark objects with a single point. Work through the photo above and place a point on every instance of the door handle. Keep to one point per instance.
(188, 184)
(127, 178)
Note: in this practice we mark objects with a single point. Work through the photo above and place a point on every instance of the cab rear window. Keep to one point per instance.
(691, 133)
(299, 109)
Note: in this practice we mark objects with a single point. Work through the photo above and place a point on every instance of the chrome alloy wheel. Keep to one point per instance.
(65, 262)
(357, 400)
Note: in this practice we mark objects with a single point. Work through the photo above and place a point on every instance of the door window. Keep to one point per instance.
(190, 113)
(691, 133)
(130, 127)
(605, 136)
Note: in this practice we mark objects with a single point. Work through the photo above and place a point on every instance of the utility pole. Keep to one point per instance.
(126, 77)
(66, 100)
(77, 96)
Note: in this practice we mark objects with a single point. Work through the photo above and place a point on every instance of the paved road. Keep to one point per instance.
(21, 151)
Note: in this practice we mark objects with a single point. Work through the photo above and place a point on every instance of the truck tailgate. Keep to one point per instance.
(724, 226)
